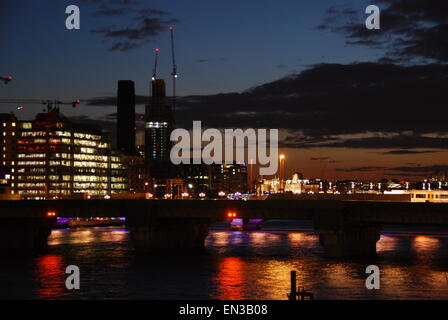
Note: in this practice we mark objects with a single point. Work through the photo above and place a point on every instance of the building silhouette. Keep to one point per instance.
(126, 117)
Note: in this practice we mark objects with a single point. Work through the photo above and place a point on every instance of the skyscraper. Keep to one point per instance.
(126, 117)
(158, 126)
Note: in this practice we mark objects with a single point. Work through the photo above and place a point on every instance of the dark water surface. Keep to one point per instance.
(235, 265)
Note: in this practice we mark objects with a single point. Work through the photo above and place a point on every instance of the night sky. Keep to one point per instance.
(349, 102)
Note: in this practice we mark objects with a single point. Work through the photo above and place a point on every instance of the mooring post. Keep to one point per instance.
(293, 292)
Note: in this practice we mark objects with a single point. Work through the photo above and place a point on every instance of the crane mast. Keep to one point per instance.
(174, 72)
(154, 72)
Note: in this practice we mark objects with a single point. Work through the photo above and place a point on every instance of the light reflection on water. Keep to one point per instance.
(235, 265)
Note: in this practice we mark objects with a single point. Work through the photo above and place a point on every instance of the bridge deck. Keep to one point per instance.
(365, 211)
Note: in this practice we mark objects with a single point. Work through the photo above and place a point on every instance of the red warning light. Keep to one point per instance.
(51, 214)
(78, 101)
(9, 78)
(157, 49)
(171, 28)
(231, 214)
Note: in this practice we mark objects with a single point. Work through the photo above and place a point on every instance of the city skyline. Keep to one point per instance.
(208, 158)
(379, 132)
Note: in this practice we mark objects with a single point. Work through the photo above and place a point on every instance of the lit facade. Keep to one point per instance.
(158, 127)
(58, 160)
(8, 140)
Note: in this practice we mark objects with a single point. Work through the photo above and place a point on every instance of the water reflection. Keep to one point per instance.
(236, 265)
(50, 276)
(230, 279)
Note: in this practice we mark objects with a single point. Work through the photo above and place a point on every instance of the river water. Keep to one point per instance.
(235, 265)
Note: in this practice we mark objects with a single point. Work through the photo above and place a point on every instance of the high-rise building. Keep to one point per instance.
(126, 117)
(57, 159)
(8, 142)
(158, 127)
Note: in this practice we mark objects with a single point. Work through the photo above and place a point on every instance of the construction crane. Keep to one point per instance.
(6, 80)
(50, 104)
(174, 72)
(154, 72)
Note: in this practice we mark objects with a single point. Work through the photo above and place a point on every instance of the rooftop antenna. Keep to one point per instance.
(154, 72)
(174, 73)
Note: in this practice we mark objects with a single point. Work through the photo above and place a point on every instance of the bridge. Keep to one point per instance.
(345, 228)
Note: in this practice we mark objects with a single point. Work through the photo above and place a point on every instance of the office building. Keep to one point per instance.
(57, 159)
(8, 141)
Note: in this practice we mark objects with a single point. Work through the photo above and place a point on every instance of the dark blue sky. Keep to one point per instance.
(337, 117)
(222, 46)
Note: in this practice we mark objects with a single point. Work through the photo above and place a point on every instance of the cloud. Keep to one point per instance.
(359, 105)
(421, 169)
(111, 12)
(407, 152)
(320, 159)
(142, 26)
(410, 29)
(360, 169)
(281, 66)
(112, 101)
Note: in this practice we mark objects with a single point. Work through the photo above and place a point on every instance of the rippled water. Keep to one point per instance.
(235, 265)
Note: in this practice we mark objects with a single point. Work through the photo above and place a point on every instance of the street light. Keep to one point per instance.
(282, 171)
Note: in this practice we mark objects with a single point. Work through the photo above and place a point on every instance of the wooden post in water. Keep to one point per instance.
(293, 292)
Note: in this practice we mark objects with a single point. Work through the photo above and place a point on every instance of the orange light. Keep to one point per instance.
(231, 214)
(51, 214)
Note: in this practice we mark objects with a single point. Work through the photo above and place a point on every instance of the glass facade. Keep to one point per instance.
(58, 160)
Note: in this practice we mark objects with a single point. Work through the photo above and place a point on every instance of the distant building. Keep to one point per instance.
(56, 159)
(159, 123)
(176, 188)
(196, 177)
(138, 180)
(213, 179)
(126, 117)
(296, 184)
(230, 178)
